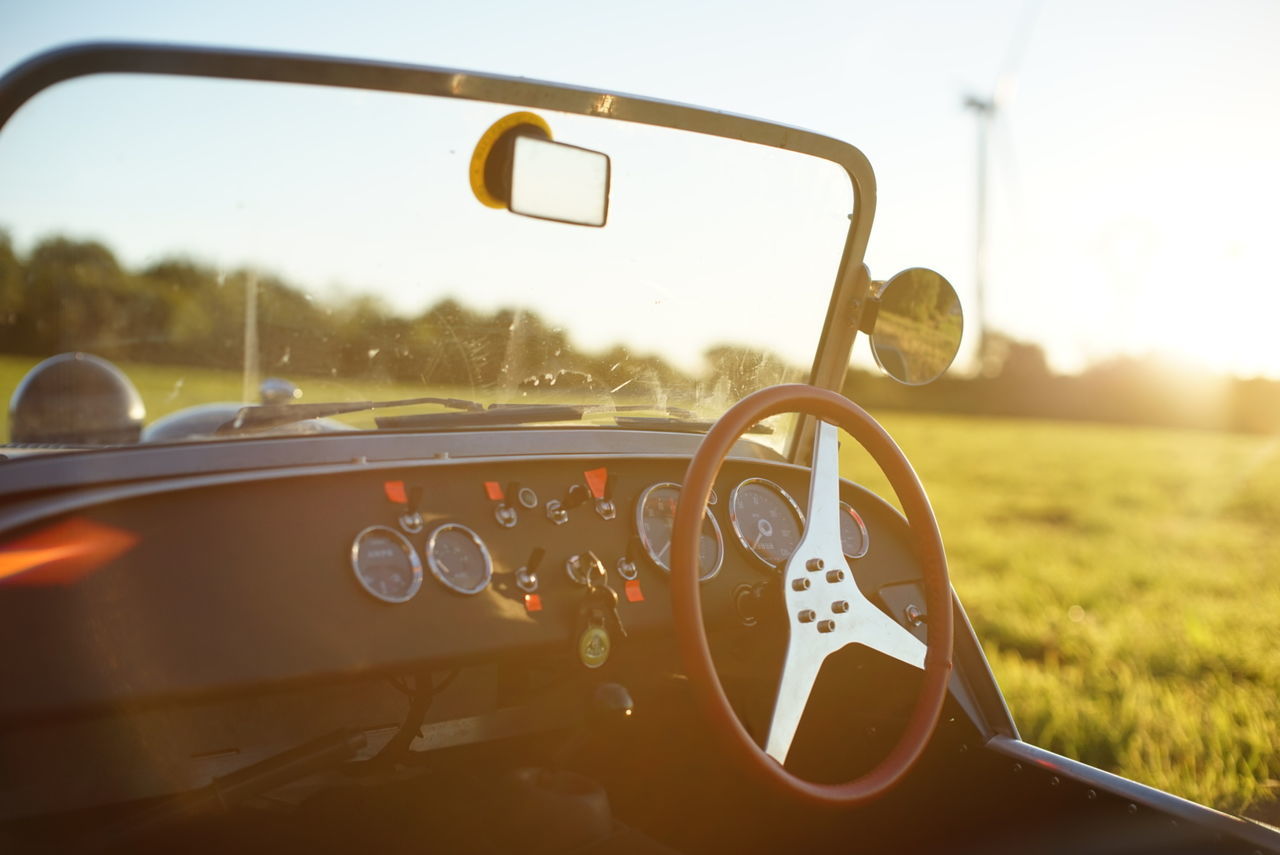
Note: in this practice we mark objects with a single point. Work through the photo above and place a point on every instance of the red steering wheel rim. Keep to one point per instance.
(687, 603)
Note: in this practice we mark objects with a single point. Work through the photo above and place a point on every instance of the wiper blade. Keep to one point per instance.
(256, 417)
(497, 415)
(681, 425)
(513, 414)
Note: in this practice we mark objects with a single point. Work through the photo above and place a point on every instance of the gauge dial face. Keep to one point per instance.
(386, 565)
(853, 533)
(766, 520)
(459, 559)
(655, 518)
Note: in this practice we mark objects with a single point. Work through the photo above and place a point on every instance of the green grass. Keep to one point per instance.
(1125, 582)
(165, 389)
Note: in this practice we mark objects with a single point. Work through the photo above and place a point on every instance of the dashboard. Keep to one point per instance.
(321, 572)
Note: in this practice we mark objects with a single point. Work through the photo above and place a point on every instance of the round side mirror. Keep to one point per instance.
(918, 328)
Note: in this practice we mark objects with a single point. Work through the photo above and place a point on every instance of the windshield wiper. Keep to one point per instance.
(675, 418)
(680, 424)
(517, 414)
(472, 414)
(257, 417)
(497, 414)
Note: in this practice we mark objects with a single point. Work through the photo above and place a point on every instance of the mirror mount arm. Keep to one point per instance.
(871, 309)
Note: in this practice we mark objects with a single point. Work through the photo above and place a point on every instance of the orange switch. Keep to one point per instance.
(597, 480)
(395, 492)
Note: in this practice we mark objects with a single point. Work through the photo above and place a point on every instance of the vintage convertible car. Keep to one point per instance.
(553, 556)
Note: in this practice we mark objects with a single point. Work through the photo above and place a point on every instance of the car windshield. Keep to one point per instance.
(223, 242)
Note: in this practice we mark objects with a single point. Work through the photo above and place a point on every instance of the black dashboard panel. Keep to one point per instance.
(238, 584)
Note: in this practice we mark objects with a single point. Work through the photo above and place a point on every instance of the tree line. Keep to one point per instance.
(66, 294)
(1123, 390)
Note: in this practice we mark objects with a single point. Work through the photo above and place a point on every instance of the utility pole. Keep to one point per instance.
(249, 380)
(985, 109)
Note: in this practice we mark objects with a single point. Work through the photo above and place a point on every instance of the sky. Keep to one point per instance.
(1135, 159)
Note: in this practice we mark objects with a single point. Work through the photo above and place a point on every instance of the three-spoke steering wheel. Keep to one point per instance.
(826, 611)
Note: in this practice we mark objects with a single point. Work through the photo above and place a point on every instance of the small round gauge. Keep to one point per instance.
(853, 533)
(655, 518)
(767, 521)
(386, 564)
(459, 559)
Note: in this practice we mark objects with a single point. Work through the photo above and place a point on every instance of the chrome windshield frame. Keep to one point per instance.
(850, 284)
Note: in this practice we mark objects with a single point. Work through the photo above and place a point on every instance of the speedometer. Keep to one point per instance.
(767, 521)
(386, 565)
(655, 517)
(459, 559)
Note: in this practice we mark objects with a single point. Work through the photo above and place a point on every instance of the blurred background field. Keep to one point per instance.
(165, 389)
(1124, 580)
(1125, 583)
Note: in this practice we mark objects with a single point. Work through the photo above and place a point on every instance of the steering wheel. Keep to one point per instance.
(825, 609)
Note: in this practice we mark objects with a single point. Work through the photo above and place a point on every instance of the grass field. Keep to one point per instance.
(165, 389)
(1125, 582)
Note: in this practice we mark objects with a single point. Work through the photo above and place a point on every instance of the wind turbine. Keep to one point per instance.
(986, 110)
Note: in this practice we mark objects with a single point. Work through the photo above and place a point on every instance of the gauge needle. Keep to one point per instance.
(764, 529)
(663, 551)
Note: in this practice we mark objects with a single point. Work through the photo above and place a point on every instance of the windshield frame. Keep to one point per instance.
(850, 290)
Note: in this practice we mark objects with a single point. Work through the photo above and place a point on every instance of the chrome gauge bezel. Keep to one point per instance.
(649, 550)
(437, 568)
(414, 562)
(737, 528)
(845, 507)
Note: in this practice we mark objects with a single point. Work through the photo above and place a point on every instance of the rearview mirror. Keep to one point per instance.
(918, 327)
(555, 181)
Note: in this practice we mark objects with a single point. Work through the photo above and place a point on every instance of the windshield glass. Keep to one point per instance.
(206, 235)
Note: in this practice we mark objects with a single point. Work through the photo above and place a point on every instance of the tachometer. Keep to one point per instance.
(767, 521)
(386, 564)
(459, 559)
(655, 516)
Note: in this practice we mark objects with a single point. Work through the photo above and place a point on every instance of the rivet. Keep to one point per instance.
(799, 584)
(826, 626)
(806, 615)
(814, 565)
(1017, 767)
(1053, 782)
(840, 606)
(835, 575)
(1091, 795)
(1133, 808)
